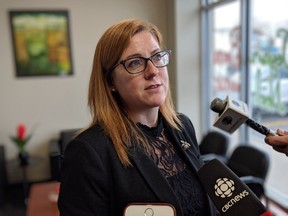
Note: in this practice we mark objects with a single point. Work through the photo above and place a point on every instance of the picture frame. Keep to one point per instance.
(41, 42)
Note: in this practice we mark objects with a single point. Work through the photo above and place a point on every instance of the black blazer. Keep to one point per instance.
(94, 182)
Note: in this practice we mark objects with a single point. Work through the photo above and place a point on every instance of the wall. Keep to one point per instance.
(55, 103)
(188, 65)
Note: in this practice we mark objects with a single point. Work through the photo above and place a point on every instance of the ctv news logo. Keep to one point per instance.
(224, 188)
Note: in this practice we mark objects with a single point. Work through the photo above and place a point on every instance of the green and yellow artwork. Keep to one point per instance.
(41, 43)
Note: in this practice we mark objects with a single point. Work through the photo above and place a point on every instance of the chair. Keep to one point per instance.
(251, 165)
(214, 145)
(56, 150)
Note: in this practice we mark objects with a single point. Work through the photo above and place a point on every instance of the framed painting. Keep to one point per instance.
(41, 43)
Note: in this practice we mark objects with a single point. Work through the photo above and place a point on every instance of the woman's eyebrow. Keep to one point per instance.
(135, 55)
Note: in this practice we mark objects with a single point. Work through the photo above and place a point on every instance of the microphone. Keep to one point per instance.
(232, 114)
(229, 194)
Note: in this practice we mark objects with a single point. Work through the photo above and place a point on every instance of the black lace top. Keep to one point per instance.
(182, 179)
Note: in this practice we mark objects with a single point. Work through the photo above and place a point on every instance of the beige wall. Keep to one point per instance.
(55, 103)
(187, 54)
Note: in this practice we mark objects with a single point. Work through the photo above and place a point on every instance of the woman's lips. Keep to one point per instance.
(153, 86)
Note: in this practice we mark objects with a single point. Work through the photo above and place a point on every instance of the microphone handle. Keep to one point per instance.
(260, 128)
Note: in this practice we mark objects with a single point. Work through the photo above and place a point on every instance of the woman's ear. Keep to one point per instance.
(111, 84)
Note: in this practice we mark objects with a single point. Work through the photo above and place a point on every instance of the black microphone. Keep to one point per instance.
(232, 114)
(230, 195)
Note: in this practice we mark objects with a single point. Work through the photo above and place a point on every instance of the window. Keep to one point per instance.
(268, 75)
(248, 60)
(222, 57)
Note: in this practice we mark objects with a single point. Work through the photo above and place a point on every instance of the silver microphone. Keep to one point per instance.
(232, 114)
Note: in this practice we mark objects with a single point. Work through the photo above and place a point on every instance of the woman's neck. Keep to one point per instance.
(148, 118)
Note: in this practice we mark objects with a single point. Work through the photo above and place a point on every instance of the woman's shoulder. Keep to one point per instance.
(185, 120)
(93, 137)
(92, 132)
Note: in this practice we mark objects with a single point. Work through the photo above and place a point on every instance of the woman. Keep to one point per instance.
(137, 148)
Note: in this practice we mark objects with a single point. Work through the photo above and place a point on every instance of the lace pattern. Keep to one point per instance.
(163, 154)
(183, 180)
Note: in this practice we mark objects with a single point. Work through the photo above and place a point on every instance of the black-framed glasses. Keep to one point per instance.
(138, 64)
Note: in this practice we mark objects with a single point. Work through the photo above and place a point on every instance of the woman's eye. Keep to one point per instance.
(132, 63)
(158, 57)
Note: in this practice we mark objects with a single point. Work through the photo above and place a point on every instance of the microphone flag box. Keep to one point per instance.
(230, 195)
(233, 116)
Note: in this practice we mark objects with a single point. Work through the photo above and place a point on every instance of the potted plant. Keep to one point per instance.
(21, 139)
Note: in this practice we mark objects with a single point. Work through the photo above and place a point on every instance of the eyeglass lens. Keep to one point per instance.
(139, 64)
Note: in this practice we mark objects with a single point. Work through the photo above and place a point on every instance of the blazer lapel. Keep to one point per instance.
(157, 182)
(187, 147)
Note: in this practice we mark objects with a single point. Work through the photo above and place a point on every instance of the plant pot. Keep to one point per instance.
(23, 158)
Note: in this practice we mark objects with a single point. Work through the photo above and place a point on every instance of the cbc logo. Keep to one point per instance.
(224, 187)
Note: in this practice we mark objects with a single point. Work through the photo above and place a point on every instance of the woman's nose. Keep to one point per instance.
(150, 70)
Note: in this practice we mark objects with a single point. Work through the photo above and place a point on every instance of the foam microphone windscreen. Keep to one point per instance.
(230, 195)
